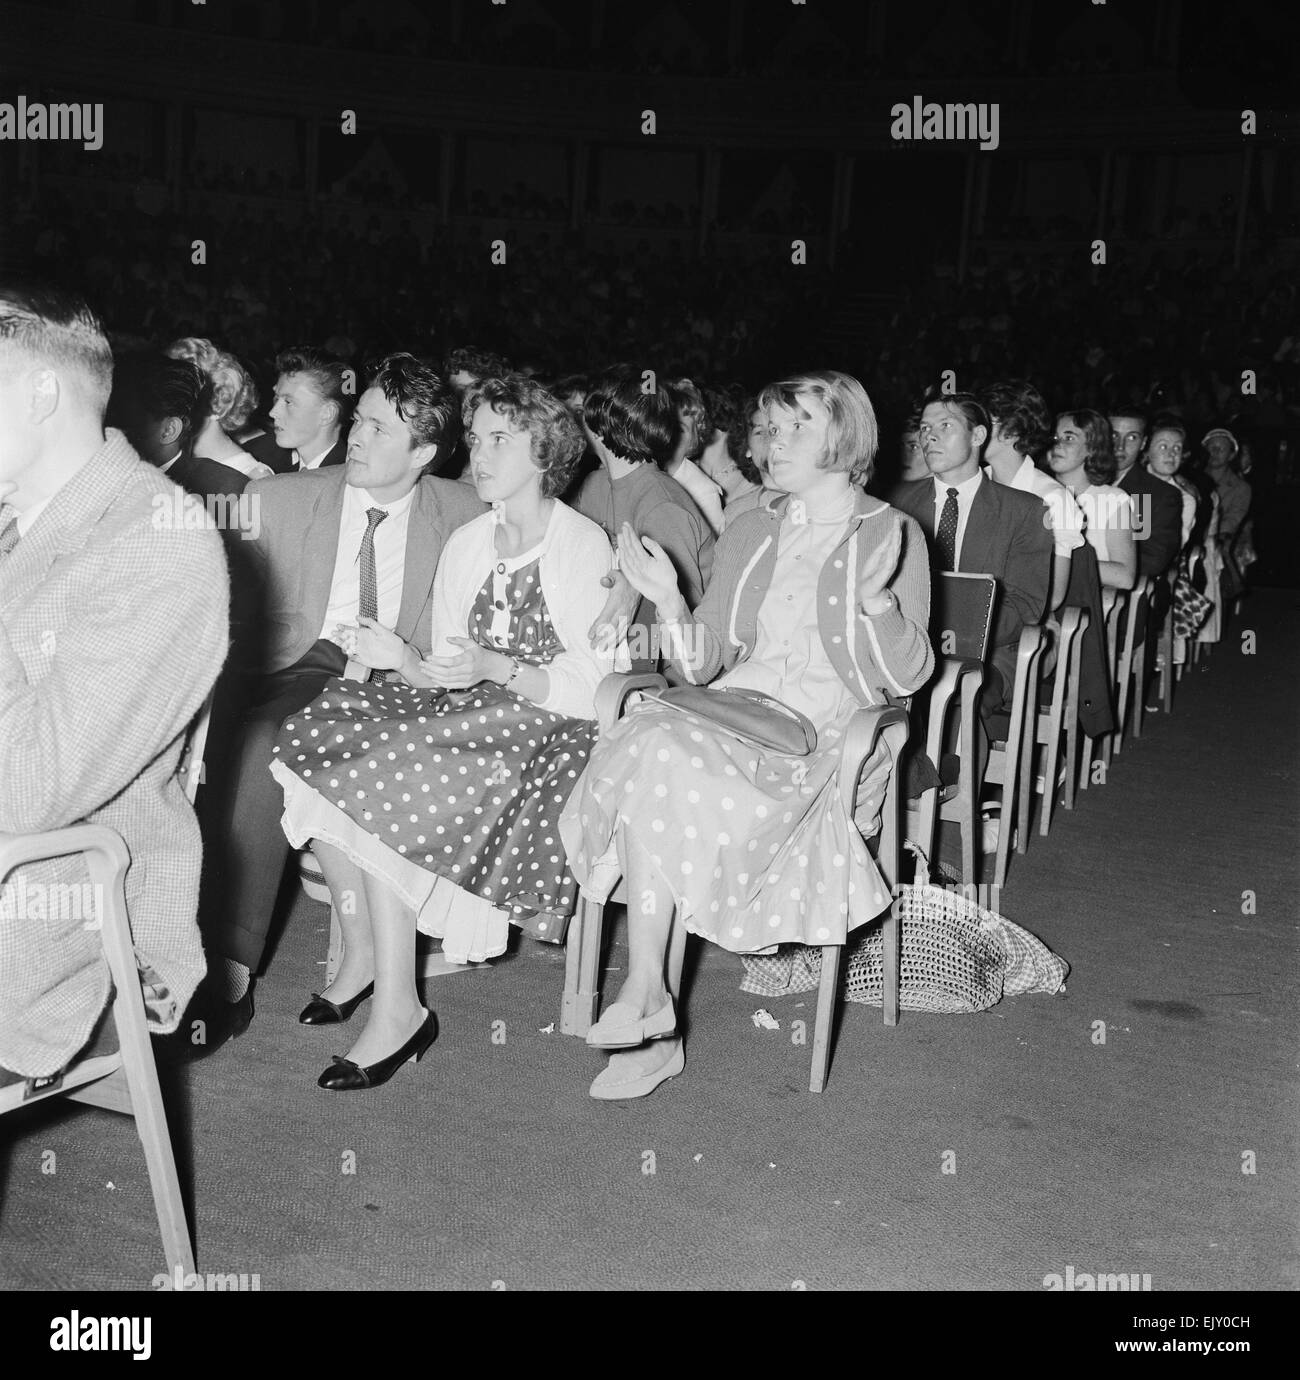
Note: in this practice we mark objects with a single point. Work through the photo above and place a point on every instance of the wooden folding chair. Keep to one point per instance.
(126, 1079)
(1006, 755)
(1132, 662)
(864, 731)
(1052, 727)
(1165, 657)
(961, 624)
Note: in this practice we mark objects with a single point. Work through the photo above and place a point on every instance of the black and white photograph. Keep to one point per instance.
(649, 645)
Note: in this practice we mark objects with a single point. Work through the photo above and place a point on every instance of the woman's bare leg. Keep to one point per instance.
(346, 882)
(650, 927)
(396, 1013)
(656, 949)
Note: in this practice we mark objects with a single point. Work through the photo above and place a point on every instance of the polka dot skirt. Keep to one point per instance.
(469, 784)
(758, 848)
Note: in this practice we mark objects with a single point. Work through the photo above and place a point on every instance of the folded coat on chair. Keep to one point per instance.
(1096, 699)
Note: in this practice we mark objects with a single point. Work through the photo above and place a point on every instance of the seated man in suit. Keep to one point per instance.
(310, 415)
(982, 527)
(336, 547)
(112, 631)
(1158, 522)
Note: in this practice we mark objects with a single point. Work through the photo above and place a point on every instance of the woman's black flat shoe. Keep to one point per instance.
(321, 1011)
(345, 1076)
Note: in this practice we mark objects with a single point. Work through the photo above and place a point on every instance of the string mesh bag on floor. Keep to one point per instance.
(957, 957)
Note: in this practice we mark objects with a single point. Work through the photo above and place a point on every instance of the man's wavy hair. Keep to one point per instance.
(326, 373)
(853, 437)
(557, 439)
(45, 326)
(416, 389)
(636, 426)
(1099, 462)
(1020, 411)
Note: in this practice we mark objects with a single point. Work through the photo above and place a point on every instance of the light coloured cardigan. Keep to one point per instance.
(877, 657)
(574, 555)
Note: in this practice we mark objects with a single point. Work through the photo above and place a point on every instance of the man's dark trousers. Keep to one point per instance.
(245, 849)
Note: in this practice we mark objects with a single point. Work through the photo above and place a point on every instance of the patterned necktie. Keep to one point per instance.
(368, 605)
(8, 536)
(947, 534)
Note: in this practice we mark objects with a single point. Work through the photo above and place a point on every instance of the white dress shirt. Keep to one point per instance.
(390, 559)
(965, 497)
(1062, 511)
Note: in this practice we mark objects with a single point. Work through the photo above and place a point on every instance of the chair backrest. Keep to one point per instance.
(961, 614)
(190, 767)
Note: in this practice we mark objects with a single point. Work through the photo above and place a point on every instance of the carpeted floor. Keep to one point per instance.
(488, 1166)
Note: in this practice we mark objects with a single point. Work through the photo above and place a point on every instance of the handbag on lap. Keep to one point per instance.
(749, 715)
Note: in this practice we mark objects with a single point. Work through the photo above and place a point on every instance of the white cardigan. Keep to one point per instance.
(574, 555)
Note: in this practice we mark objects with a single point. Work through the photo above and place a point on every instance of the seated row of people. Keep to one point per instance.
(456, 881)
(459, 787)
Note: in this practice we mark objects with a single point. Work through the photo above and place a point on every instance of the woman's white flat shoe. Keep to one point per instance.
(620, 1027)
(610, 1087)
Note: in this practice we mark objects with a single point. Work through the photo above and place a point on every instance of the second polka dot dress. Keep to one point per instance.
(757, 848)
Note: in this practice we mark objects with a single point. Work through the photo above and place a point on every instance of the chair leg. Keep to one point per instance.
(1024, 796)
(1115, 742)
(151, 1124)
(138, 1068)
(1139, 691)
(582, 969)
(1051, 758)
(1070, 752)
(827, 993)
(968, 793)
(335, 955)
(1085, 761)
(891, 935)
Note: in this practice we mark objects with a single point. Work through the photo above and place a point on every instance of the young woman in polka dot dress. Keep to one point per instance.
(820, 597)
(434, 803)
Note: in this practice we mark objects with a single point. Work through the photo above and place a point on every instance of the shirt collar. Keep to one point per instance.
(964, 489)
(314, 462)
(363, 499)
(27, 517)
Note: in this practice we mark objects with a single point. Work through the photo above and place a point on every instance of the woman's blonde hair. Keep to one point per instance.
(852, 438)
(234, 394)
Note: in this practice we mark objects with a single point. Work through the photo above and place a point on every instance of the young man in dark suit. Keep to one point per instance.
(337, 547)
(1158, 528)
(310, 415)
(978, 526)
(1158, 525)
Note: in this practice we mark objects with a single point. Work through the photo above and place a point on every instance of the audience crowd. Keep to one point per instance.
(434, 563)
